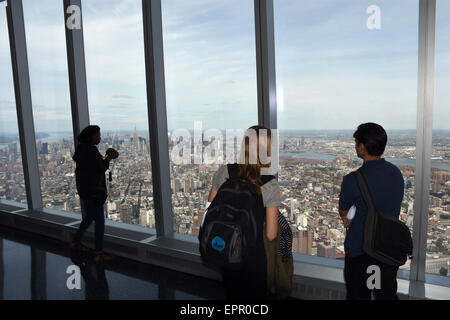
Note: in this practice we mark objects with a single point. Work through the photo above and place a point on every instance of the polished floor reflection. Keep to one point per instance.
(36, 267)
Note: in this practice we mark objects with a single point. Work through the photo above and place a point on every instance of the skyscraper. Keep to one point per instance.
(326, 251)
(302, 242)
(135, 139)
(44, 149)
(126, 213)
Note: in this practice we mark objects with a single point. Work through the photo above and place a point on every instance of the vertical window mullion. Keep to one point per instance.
(77, 73)
(425, 100)
(157, 116)
(265, 63)
(22, 90)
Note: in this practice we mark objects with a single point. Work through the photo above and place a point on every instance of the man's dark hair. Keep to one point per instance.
(373, 137)
(86, 135)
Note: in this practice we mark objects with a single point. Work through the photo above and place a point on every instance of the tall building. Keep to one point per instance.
(176, 185)
(13, 148)
(44, 149)
(197, 222)
(136, 211)
(302, 241)
(326, 251)
(151, 218)
(135, 139)
(294, 205)
(126, 213)
(144, 218)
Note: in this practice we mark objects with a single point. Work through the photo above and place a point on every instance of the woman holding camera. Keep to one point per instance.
(91, 187)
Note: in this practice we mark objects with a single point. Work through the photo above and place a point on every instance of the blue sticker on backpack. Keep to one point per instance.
(218, 243)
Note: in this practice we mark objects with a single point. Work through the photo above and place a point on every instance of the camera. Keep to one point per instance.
(112, 153)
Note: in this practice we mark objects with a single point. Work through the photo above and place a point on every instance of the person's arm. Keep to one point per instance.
(272, 201)
(95, 161)
(345, 200)
(343, 215)
(212, 194)
(110, 155)
(218, 179)
(105, 163)
(271, 223)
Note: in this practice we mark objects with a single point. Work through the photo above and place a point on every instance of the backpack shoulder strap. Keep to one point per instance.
(231, 169)
(267, 178)
(364, 189)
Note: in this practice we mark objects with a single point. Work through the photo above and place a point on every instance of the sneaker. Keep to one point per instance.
(78, 246)
(101, 256)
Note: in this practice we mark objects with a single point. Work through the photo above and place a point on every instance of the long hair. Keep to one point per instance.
(257, 142)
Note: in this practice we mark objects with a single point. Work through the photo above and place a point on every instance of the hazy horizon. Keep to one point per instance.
(310, 131)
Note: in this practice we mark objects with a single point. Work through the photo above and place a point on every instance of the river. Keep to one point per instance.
(330, 158)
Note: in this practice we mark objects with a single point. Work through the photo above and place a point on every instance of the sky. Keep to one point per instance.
(332, 72)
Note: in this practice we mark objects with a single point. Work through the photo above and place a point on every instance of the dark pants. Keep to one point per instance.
(356, 276)
(250, 282)
(245, 285)
(94, 212)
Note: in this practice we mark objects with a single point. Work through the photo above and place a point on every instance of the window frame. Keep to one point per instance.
(267, 115)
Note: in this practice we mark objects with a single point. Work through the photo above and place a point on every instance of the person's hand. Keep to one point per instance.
(343, 216)
(346, 223)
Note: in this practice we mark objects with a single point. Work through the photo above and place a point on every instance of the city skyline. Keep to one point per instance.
(331, 72)
(285, 131)
(309, 189)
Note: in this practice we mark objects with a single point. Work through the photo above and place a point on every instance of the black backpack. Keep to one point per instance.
(229, 230)
(385, 238)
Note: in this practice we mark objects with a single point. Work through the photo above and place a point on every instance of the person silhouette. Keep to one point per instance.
(91, 187)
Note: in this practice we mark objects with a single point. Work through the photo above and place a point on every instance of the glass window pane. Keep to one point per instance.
(115, 68)
(16, 270)
(340, 65)
(12, 185)
(438, 240)
(210, 71)
(47, 59)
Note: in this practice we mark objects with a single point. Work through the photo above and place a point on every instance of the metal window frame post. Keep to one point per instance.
(425, 101)
(77, 76)
(22, 90)
(265, 63)
(77, 72)
(157, 116)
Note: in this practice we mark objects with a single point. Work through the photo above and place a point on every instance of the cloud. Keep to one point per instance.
(51, 115)
(8, 104)
(331, 70)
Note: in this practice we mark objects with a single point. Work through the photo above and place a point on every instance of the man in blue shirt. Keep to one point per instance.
(386, 185)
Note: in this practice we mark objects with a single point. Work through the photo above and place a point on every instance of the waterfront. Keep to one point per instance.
(329, 158)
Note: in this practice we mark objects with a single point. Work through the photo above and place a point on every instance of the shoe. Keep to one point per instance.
(78, 246)
(101, 256)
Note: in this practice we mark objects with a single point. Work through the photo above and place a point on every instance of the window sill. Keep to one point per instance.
(314, 277)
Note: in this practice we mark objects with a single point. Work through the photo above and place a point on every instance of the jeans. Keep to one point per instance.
(94, 212)
(356, 276)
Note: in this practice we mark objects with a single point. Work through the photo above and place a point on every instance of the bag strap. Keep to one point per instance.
(266, 178)
(231, 167)
(364, 189)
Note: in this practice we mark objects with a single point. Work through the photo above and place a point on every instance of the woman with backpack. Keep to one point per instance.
(250, 280)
